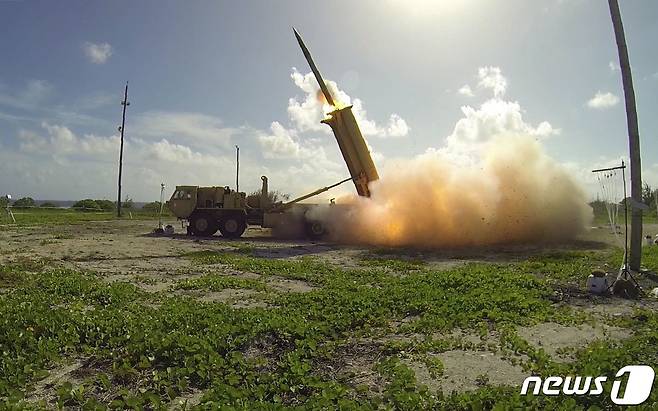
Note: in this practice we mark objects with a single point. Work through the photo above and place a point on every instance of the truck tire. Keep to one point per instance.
(202, 225)
(232, 226)
(315, 229)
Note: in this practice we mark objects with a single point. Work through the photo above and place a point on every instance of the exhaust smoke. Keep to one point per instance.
(492, 183)
(513, 193)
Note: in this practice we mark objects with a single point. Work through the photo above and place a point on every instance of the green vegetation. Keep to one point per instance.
(105, 205)
(145, 350)
(94, 205)
(215, 282)
(153, 206)
(128, 204)
(601, 215)
(24, 202)
(39, 216)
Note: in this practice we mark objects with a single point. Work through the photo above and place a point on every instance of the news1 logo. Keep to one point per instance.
(637, 389)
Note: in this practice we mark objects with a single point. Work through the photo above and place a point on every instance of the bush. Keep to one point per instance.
(87, 205)
(105, 205)
(153, 206)
(48, 204)
(24, 202)
(128, 204)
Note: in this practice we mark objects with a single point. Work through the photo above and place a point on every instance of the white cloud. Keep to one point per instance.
(286, 144)
(465, 90)
(281, 143)
(492, 78)
(29, 97)
(493, 118)
(613, 66)
(397, 127)
(36, 90)
(56, 163)
(34, 98)
(166, 152)
(196, 129)
(97, 53)
(60, 141)
(602, 101)
(95, 101)
(307, 114)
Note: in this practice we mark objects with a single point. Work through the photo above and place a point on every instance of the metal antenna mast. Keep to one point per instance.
(625, 271)
(237, 168)
(125, 103)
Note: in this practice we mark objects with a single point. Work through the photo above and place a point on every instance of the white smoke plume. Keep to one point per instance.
(492, 183)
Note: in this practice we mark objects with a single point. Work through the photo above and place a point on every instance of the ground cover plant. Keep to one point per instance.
(136, 349)
(40, 216)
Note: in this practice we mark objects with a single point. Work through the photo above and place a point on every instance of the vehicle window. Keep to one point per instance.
(182, 195)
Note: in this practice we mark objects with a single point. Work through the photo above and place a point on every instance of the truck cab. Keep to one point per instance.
(208, 209)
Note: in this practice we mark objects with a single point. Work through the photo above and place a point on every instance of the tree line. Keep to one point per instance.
(87, 204)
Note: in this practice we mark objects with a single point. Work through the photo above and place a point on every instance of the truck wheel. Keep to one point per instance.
(202, 225)
(315, 229)
(232, 226)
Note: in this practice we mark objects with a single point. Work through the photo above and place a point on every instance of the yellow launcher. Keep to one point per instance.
(349, 137)
(354, 148)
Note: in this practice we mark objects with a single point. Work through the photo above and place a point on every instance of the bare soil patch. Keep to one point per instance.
(469, 370)
(561, 341)
(287, 285)
(355, 364)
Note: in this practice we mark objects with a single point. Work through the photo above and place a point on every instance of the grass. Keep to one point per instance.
(148, 349)
(36, 216)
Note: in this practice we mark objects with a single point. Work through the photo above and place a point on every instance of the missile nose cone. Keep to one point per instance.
(299, 39)
(314, 69)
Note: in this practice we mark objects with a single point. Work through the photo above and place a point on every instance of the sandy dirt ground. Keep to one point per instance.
(127, 251)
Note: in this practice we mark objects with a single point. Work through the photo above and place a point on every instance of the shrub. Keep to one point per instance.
(86, 205)
(106, 205)
(128, 203)
(24, 202)
(152, 206)
(48, 204)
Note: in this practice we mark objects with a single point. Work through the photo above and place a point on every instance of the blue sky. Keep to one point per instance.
(207, 75)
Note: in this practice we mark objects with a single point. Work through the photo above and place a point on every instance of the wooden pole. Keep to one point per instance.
(124, 103)
(635, 256)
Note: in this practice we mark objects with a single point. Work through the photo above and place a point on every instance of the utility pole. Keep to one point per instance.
(125, 103)
(237, 168)
(635, 256)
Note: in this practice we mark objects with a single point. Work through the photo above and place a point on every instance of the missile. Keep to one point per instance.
(315, 70)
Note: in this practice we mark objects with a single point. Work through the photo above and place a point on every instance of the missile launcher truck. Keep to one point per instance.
(209, 209)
